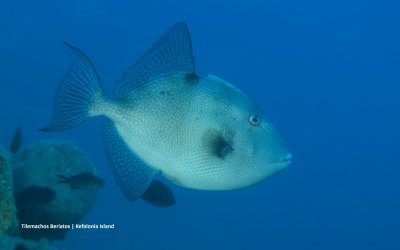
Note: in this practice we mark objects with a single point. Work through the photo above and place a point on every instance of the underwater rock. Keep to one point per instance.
(8, 222)
(17, 243)
(40, 165)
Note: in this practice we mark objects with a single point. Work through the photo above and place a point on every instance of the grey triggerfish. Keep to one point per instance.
(200, 132)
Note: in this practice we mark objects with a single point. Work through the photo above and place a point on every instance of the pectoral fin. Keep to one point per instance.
(216, 143)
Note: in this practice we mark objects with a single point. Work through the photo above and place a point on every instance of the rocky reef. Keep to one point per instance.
(41, 165)
(46, 184)
(8, 220)
(16, 243)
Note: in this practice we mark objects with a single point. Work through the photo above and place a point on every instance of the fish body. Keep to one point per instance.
(81, 181)
(199, 132)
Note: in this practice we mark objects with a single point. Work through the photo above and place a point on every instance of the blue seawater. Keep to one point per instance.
(326, 72)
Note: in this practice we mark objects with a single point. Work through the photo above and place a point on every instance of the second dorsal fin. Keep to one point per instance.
(172, 53)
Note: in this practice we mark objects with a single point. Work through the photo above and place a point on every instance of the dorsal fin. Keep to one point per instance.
(172, 53)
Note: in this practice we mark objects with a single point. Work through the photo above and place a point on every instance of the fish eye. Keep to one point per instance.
(254, 120)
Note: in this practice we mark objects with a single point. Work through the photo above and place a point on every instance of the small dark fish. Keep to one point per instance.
(83, 180)
(16, 141)
(34, 197)
(158, 194)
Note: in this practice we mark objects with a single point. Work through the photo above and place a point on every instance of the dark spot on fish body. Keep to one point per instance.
(218, 144)
(217, 114)
(164, 92)
(123, 99)
(191, 79)
(167, 96)
(126, 102)
(223, 149)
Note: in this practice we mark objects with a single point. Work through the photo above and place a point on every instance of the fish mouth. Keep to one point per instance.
(286, 160)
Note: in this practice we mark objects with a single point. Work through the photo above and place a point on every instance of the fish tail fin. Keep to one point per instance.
(79, 95)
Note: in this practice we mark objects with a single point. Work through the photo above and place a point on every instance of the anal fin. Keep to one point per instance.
(132, 175)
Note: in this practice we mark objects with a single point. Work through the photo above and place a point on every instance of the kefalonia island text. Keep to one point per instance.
(68, 226)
